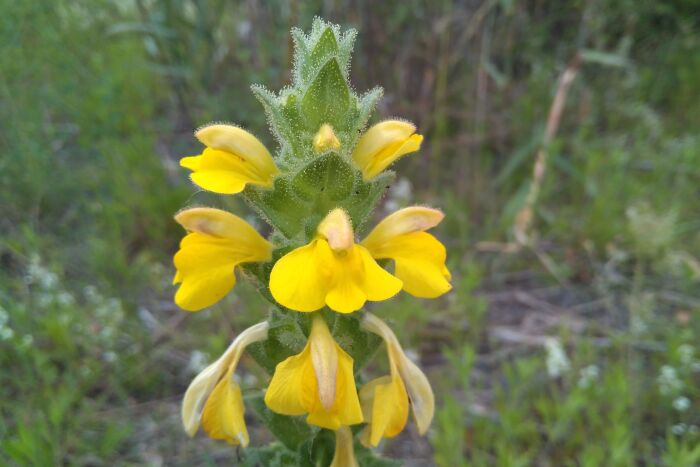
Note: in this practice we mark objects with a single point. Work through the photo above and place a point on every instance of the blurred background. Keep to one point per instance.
(571, 336)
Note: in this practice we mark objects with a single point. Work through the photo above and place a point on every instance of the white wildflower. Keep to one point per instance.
(588, 376)
(557, 361)
(668, 381)
(679, 429)
(681, 404)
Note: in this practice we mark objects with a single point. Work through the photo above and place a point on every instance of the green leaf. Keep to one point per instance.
(360, 344)
(318, 451)
(279, 207)
(290, 431)
(286, 337)
(328, 178)
(326, 46)
(328, 97)
(365, 197)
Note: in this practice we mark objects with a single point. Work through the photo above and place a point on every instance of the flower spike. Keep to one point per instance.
(382, 144)
(214, 399)
(216, 243)
(319, 382)
(385, 400)
(331, 270)
(232, 159)
(419, 257)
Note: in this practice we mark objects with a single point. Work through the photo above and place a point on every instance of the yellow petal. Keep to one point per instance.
(325, 139)
(419, 392)
(378, 283)
(420, 263)
(346, 410)
(223, 224)
(299, 280)
(207, 257)
(419, 257)
(203, 384)
(383, 144)
(344, 455)
(296, 385)
(385, 407)
(417, 386)
(404, 221)
(293, 388)
(205, 266)
(223, 413)
(237, 141)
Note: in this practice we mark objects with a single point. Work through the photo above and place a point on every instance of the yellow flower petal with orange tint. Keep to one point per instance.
(382, 144)
(319, 382)
(218, 241)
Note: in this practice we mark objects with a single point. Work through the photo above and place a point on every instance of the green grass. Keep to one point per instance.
(98, 101)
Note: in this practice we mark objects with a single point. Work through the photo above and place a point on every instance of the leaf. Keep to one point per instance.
(326, 46)
(279, 207)
(318, 451)
(285, 338)
(328, 97)
(604, 58)
(329, 178)
(290, 431)
(360, 344)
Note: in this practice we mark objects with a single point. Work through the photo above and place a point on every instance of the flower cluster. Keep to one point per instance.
(315, 193)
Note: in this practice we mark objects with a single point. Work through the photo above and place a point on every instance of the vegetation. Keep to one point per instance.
(569, 339)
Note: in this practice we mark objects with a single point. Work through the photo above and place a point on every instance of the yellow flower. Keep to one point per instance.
(218, 241)
(331, 270)
(344, 455)
(232, 159)
(319, 382)
(385, 400)
(383, 144)
(325, 139)
(419, 257)
(215, 391)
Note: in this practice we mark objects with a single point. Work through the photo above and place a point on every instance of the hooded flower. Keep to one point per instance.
(233, 158)
(319, 382)
(418, 256)
(216, 243)
(214, 399)
(382, 144)
(331, 270)
(385, 400)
